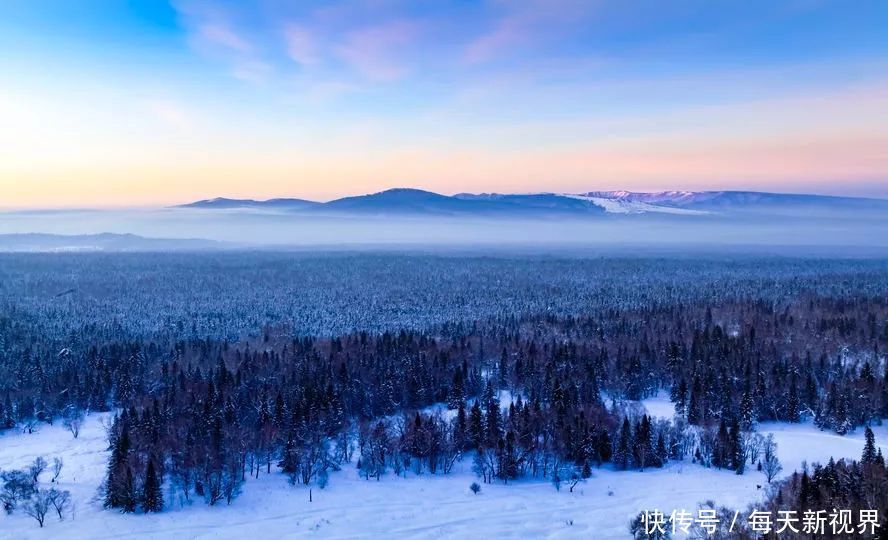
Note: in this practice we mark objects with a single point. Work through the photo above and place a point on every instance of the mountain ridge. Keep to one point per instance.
(591, 203)
(105, 241)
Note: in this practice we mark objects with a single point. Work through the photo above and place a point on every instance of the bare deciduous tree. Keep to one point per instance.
(770, 464)
(73, 423)
(60, 501)
(57, 464)
(36, 468)
(17, 486)
(38, 505)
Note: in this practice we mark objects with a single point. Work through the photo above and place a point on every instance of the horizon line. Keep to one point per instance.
(171, 205)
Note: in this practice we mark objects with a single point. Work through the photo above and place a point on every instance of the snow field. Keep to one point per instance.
(421, 506)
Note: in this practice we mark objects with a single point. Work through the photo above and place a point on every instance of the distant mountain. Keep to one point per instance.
(277, 204)
(405, 201)
(37, 242)
(415, 201)
(741, 200)
(542, 202)
(400, 200)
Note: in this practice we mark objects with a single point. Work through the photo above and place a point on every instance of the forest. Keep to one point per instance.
(222, 367)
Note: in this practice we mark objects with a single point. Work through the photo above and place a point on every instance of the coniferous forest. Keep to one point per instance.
(218, 368)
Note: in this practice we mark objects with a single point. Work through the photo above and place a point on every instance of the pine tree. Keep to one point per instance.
(476, 425)
(8, 419)
(623, 451)
(842, 417)
(721, 453)
(455, 395)
(461, 426)
(805, 490)
(869, 447)
(695, 416)
(747, 408)
(639, 446)
(885, 385)
(128, 492)
(493, 421)
(792, 401)
(115, 480)
(679, 396)
(738, 456)
(152, 497)
(662, 450)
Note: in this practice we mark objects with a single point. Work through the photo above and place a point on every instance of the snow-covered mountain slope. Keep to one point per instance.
(676, 198)
(618, 205)
(739, 200)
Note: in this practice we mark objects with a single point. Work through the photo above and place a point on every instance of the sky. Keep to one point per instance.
(142, 103)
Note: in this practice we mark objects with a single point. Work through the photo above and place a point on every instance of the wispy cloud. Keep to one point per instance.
(251, 70)
(217, 33)
(301, 44)
(527, 22)
(377, 51)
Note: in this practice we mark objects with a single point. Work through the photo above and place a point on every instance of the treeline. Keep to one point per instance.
(744, 359)
(52, 301)
(308, 406)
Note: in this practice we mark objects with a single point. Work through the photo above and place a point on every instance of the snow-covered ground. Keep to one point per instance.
(416, 507)
(659, 406)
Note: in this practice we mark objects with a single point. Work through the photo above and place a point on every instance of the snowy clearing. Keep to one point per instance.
(416, 507)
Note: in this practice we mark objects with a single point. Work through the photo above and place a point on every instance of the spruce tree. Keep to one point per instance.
(115, 480)
(747, 408)
(641, 448)
(623, 451)
(461, 425)
(869, 447)
(721, 452)
(476, 425)
(128, 492)
(8, 419)
(662, 451)
(492, 418)
(885, 385)
(737, 455)
(152, 497)
(679, 396)
(695, 416)
(792, 402)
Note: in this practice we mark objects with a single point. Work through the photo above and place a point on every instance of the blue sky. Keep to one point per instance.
(150, 102)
